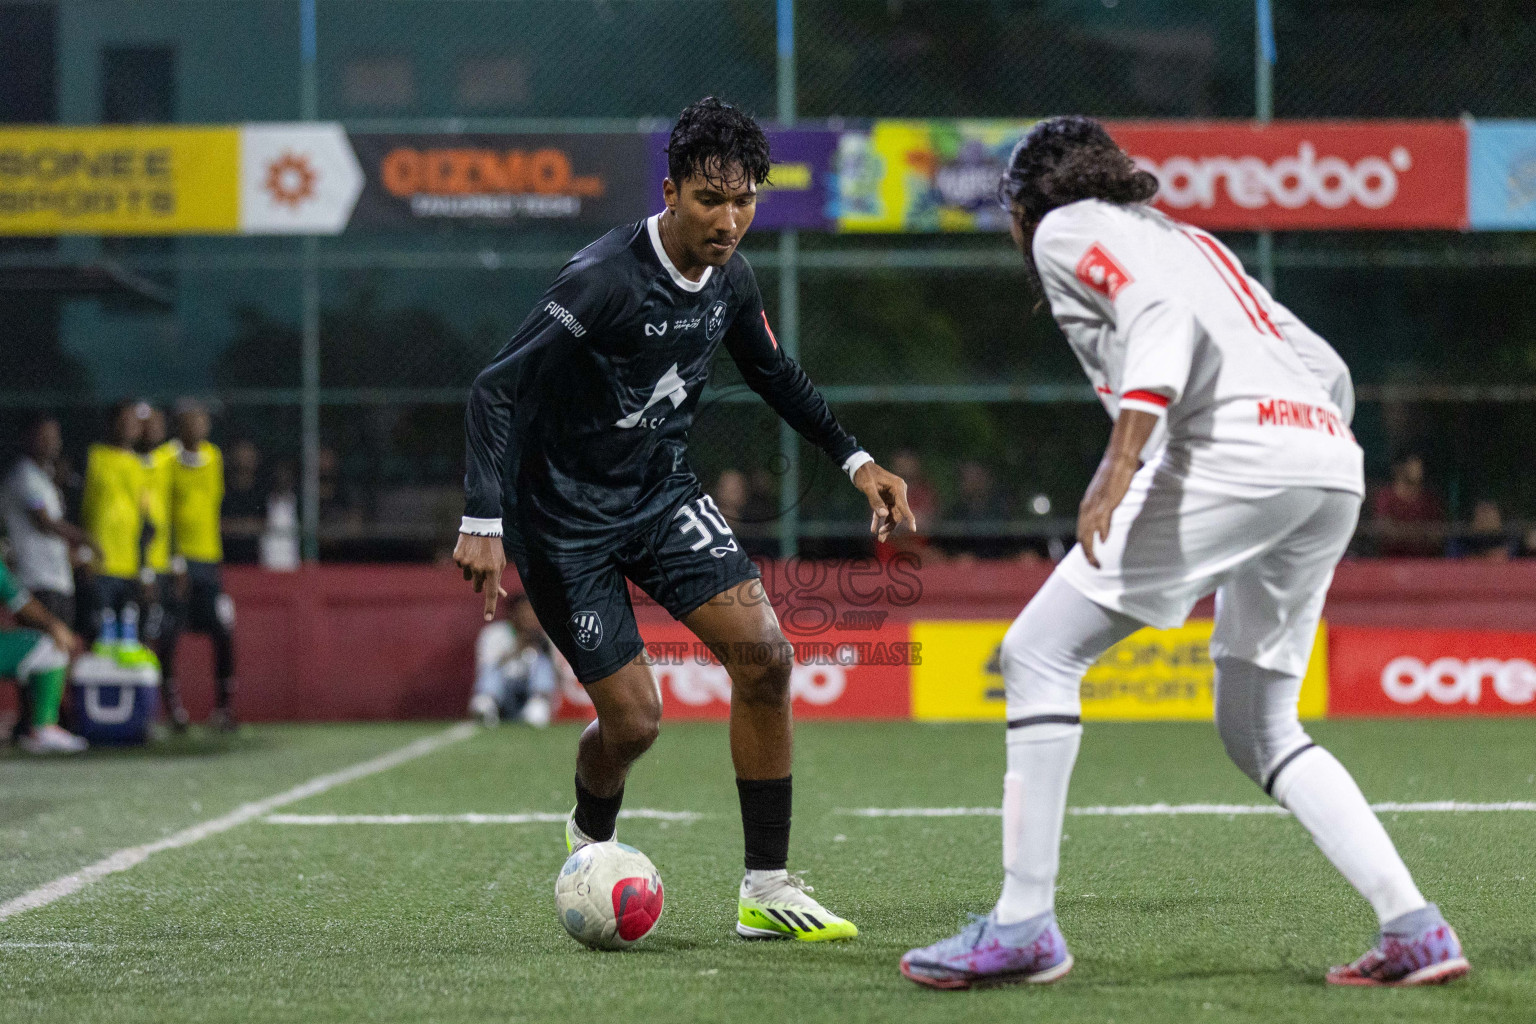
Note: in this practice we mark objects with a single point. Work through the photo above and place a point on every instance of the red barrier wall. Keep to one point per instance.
(381, 642)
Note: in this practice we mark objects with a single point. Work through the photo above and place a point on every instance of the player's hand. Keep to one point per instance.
(483, 560)
(1110, 482)
(65, 639)
(887, 494)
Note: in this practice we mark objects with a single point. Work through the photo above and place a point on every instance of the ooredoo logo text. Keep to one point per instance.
(1290, 182)
(1408, 680)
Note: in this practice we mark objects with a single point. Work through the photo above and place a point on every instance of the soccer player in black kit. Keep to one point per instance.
(577, 471)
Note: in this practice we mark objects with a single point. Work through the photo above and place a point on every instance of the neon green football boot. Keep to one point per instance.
(782, 908)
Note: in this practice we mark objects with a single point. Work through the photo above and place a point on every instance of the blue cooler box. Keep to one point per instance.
(111, 703)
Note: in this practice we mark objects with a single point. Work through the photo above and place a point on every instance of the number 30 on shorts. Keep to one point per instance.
(703, 518)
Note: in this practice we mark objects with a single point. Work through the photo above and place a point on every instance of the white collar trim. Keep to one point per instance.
(653, 226)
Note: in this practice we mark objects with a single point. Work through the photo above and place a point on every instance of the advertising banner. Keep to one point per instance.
(838, 673)
(1502, 175)
(1431, 672)
(800, 190)
(1323, 175)
(296, 179)
(924, 175)
(1152, 675)
(598, 180)
(118, 181)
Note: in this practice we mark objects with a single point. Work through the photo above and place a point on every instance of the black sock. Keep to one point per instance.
(597, 816)
(765, 805)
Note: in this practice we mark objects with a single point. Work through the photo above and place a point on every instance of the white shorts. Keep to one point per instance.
(1269, 556)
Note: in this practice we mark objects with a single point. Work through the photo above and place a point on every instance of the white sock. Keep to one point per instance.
(1325, 799)
(758, 879)
(1040, 760)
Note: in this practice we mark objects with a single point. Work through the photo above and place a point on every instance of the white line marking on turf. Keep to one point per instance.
(122, 860)
(1127, 810)
(530, 818)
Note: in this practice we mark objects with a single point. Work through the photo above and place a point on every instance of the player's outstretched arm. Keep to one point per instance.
(887, 494)
(1113, 477)
(569, 309)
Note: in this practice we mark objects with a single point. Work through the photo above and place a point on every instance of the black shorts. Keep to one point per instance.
(686, 556)
(206, 609)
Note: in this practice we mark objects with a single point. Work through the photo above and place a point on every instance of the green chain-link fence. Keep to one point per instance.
(923, 343)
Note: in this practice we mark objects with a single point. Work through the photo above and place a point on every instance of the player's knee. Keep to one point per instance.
(761, 676)
(1256, 716)
(631, 734)
(1032, 677)
(46, 656)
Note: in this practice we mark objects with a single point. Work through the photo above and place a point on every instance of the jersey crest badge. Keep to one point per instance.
(587, 630)
(1099, 271)
(714, 321)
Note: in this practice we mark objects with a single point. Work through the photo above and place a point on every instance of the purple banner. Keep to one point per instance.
(800, 188)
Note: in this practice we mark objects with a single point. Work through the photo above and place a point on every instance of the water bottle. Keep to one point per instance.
(106, 640)
(129, 632)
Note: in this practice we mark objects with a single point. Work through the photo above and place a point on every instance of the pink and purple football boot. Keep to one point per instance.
(988, 953)
(1418, 948)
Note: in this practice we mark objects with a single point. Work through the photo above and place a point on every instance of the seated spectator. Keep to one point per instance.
(979, 504)
(37, 658)
(515, 671)
(922, 498)
(749, 517)
(1408, 518)
(1487, 539)
(730, 496)
(245, 503)
(46, 547)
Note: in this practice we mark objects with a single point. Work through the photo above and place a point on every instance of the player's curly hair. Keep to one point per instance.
(1064, 159)
(711, 138)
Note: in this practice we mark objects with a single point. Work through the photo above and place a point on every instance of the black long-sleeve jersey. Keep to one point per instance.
(577, 432)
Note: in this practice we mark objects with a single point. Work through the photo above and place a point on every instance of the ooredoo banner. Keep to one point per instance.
(838, 673)
(1305, 174)
(1431, 672)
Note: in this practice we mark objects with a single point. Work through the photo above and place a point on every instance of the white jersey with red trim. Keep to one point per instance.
(1163, 319)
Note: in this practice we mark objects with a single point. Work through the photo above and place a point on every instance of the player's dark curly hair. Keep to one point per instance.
(711, 139)
(1063, 160)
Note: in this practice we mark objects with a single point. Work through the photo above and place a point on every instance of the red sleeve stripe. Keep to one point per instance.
(1150, 397)
(769, 330)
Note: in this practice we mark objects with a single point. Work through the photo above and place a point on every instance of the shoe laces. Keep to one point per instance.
(797, 881)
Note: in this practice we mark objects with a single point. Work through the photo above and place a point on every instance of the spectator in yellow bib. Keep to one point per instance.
(159, 582)
(112, 513)
(197, 554)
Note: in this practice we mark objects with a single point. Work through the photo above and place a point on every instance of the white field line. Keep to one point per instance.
(1130, 810)
(529, 818)
(122, 860)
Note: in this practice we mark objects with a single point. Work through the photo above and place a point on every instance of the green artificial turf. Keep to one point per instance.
(1170, 918)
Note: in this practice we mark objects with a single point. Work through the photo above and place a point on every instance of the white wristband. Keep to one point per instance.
(480, 527)
(853, 462)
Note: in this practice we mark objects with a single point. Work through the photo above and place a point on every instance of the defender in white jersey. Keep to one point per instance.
(1230, 469)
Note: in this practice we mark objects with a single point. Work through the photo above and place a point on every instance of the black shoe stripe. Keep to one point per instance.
(1269, 783)
(813, 921)
(1020, 723)
(800, 926)
(780, 918)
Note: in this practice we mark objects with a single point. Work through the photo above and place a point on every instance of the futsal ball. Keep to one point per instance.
(608, 895)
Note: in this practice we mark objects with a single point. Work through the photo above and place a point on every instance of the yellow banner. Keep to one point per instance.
(1155, 674)
(119, 181)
